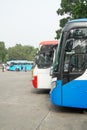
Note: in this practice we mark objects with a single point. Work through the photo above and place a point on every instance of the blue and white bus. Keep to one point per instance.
(20, 65)
(70, 66)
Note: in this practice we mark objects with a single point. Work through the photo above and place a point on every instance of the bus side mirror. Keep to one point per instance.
(51, 71)
(69, 45)
(36, 61)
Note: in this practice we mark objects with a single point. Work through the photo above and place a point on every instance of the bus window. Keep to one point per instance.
(45, 60)
(57, 56)
(75, 53)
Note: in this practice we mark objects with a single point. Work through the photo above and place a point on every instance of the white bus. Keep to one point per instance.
(44, 60)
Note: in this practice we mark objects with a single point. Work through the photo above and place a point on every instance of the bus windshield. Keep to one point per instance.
(45, 56)
(76, 50)
(76, 42)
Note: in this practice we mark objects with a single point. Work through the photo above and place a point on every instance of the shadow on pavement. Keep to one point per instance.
(70, 110)
(40, 91)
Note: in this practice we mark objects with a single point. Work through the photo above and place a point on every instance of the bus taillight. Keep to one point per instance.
(34, 81)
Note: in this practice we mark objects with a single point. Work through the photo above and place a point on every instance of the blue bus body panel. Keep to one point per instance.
(55, 94)
(28, 67)
(14, 67)
(75, 94)
(72, 94)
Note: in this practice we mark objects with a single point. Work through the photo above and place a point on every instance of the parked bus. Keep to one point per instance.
(20, 65)
(70, 66)
(44, 60)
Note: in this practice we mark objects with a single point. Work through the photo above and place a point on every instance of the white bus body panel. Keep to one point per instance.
(35, 71)
(44, 78)
(83, 76)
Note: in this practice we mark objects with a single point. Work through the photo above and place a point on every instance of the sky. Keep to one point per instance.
(28, 22)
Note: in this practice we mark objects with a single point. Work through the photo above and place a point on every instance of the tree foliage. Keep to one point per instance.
(74, 9)
(2, 51)
(20, 52)
(17, 52)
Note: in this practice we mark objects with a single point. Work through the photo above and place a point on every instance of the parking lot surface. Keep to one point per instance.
(24, 108)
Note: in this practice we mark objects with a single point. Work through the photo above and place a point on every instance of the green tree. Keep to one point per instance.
(2, 52)
(74, 9)
(19, 52)
(80, 10)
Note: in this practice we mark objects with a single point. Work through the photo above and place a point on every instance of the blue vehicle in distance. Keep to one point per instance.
(20, 65)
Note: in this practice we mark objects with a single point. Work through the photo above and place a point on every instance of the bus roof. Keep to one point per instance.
(79, 20)
(75, 24)
(49, 42)
(19, 61)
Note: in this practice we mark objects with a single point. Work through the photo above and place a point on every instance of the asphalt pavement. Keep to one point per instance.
(24, 108)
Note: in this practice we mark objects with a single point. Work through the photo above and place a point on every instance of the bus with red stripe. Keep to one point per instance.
(43, 63)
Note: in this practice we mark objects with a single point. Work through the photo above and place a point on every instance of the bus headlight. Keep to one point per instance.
(53, 85)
